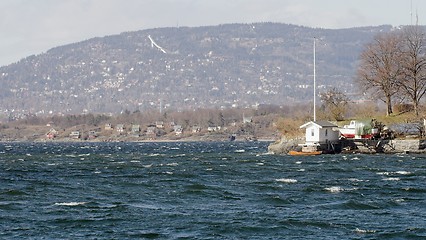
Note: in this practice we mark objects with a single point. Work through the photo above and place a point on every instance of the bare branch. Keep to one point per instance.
(380, 69)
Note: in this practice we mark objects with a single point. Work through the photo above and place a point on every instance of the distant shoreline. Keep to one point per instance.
(133, 141)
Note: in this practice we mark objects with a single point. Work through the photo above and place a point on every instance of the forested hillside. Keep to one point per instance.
(234, 65)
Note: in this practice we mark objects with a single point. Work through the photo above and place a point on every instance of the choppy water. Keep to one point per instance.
(206, 191)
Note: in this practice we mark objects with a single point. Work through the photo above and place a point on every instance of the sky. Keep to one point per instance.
(31, 27)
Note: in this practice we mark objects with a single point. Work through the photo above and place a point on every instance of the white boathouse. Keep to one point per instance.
(320, 132)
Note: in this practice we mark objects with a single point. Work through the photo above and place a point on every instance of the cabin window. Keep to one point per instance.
(326, 132)
(312, 132)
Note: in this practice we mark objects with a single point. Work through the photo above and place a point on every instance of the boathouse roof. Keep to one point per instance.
(320, 124)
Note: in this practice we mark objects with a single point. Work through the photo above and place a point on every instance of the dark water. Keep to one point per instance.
(206, 191)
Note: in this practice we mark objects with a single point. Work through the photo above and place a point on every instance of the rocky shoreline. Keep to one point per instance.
(387, 146)
(284, 145)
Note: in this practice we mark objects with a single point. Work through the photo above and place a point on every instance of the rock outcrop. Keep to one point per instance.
(284, 145)
(393, 146)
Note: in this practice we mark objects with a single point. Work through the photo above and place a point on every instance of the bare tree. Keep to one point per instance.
(413, 84)
(380, 68)
(334, 102)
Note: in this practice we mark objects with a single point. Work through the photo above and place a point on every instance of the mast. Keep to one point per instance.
(315, 88)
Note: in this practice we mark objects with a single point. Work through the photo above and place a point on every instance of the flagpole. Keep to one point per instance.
(315, 88)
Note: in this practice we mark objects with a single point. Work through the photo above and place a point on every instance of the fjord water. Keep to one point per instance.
(199, 190)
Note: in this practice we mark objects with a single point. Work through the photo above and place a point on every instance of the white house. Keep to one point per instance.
(320, 132)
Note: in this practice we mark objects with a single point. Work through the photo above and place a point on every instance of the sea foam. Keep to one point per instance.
(391, 179)
(286, 180)
(70, 204)
(334, 189)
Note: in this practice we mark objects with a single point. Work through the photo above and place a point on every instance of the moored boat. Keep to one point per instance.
(300, 153)
(359, 130)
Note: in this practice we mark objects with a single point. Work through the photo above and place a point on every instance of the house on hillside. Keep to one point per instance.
(75, 135)
(151, 132)
(136, 128)
(213, 128)
(196, 129)
(159, 124)
(92, 134)
(120, 128)
(51, 134)
(178, 130)
(247, 119)
(108, 126)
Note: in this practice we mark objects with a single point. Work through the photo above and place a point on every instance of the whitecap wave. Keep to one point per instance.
(391, 179)
(286, 180)
(153, 155)
(179, 155)
(403, 172)
(145, 206)
(357, 180)
(70, 204)
(358, 230)
(394, 173)
(337, 189)
(334, 189)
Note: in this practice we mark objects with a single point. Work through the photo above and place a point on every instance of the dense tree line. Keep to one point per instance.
(393, 67)
(263, 117)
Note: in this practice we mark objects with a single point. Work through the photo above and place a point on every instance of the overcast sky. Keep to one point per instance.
(34, 26)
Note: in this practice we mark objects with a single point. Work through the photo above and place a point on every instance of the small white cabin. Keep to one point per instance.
(320, 132)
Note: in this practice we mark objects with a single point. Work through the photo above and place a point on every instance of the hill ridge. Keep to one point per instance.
(224, 66)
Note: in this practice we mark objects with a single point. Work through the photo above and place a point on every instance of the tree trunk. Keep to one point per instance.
(388, 105)
(416, 108)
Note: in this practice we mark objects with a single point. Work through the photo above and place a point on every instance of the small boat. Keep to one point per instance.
(299, 153)
(359, 130)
